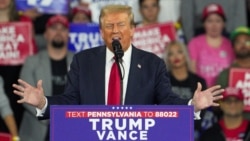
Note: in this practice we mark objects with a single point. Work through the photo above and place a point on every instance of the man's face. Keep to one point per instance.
(150, 10)
(4, 4)
(232, 107)
(117, 26)
(242, 46)
(57, 33)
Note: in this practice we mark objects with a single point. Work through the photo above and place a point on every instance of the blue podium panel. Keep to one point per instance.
(121, 123)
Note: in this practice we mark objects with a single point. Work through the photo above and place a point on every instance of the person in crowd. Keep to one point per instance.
(50, 65)
(145, 80)
(191, 13)
(184, 82)
(80, 14)
(232, 126)
(178, 63)
(9, 12)
(149, 10)
(240, 38)
(10, 73)
(211, 52)
(7, 113)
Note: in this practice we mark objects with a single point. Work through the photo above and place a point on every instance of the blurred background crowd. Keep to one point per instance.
(212, 40)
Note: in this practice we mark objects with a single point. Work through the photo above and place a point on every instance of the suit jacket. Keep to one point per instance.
(147, 85)
(35, 68)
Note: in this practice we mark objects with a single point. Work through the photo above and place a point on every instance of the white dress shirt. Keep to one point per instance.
(126, 60)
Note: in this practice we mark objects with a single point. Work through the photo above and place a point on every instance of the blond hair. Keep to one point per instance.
(117, 9)
(184, 50)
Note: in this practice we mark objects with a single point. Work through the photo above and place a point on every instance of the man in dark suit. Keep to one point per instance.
(145, 79)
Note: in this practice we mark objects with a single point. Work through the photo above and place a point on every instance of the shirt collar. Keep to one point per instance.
(126, 57)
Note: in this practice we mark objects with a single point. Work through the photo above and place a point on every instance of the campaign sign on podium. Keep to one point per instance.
(121, 123)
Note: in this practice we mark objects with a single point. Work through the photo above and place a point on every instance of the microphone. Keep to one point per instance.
(117, 47)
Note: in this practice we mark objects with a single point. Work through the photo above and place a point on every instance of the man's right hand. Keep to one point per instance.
(30, 95)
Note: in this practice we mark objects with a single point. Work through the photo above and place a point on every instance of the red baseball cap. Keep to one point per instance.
(233, 92)
(213, 8)
(58, 19)
(81, 9)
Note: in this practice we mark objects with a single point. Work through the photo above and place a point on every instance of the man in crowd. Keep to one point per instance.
(241, 44)
(232, 126)
(51, 65)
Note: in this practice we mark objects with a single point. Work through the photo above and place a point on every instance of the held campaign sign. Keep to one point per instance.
(240, 78)
(154, 38)
(123, 123)
(84, 36)
(44, 6)
(15, 42)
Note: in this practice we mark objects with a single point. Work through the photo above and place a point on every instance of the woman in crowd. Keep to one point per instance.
(10, 73)
(184, 82)
(211, 52)
(7, 114)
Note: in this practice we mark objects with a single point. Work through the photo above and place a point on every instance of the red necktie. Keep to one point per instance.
(114, 87)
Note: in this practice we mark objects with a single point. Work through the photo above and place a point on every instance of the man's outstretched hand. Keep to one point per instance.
(30, 95)
(35, 95)
(206, 98)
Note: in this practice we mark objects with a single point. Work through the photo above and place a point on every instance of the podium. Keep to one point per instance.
(121, 123)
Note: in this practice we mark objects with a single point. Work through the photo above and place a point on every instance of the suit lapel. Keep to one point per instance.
(134, 77)
(46, 73)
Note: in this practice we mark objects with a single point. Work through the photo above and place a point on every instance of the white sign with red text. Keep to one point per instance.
(15, 43)
(154, 38)
(240, 78)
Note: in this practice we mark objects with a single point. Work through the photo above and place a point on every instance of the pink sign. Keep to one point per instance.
(240, 78)
(15, 42)
(154, 38)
